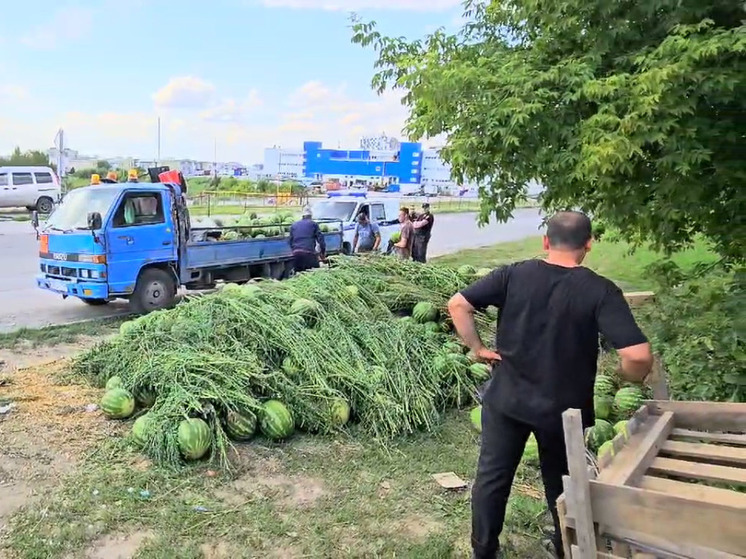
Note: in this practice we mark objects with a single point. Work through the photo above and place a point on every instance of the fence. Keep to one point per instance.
(231, 203)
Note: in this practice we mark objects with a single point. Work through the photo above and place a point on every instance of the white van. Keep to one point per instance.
(345, 207)
(33, 188)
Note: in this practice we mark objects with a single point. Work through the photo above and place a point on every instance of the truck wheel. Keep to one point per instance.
(155, 290)
(44, 205)
(95, 302)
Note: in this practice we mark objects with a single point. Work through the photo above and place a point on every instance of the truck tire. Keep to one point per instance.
(44, 205)
(95, 302)
(155, 290)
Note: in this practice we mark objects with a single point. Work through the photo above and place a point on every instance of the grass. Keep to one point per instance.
(29, 338)
(611, 259)
(312, 497)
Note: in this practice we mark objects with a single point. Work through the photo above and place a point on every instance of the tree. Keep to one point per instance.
(31, 158)
(632, 111)
(103, 165)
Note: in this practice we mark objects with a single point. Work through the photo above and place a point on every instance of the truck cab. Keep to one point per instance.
(346, 206)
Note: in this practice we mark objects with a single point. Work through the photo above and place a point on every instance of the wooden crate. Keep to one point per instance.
(672, 489)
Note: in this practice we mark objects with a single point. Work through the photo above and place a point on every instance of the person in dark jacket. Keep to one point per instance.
(305, 234)
(422, 225)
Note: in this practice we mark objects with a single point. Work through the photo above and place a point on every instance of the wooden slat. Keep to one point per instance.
(707, 416)
(694, 470)
(709, 452)
(670, 518)
(727, 438)
(567, 536)
(696, 491)
(665, 549)
(658, 380)
(639, 298)
(635, 457)
(579, 503)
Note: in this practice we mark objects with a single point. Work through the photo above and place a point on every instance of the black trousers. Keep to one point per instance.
(303, 261)
(503, 441)
(419, 248)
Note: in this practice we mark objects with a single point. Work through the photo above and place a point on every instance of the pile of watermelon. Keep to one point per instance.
(250, 226)
(366, 345)
(614, 403)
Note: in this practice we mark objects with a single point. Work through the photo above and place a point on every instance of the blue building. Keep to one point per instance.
(402, 166)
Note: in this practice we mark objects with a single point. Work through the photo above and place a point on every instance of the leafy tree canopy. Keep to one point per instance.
(28, 158)
(633, 111)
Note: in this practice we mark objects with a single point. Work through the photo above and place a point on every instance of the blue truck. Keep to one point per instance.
(134, 241)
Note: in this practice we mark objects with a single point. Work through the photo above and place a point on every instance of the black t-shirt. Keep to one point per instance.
(548, 327)
(424, 231)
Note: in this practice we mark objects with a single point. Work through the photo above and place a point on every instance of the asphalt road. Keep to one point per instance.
(23, 305)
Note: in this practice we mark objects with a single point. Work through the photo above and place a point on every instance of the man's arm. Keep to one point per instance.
(355, 238)
(404, 241)
(376, 235)
(419, 224)
(490, 290)
(617, 324)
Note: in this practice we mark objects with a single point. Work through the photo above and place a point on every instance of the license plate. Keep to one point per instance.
(58, 285)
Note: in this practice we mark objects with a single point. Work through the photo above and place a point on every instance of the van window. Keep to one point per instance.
(3, 179)
(377, 212)
(43, 178)
(19, 179)
(139, 209)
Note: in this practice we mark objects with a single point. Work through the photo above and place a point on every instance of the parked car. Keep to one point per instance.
(33, 188)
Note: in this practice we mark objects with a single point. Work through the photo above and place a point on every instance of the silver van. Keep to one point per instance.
(33, 188)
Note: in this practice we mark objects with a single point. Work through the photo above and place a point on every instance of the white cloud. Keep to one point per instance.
(186, 92)
(230, 110)
(11, 92)
(353, 5)
(67, 24)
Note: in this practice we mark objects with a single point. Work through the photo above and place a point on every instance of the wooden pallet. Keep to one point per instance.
(672, 489)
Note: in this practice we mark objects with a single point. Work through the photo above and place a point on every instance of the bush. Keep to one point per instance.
(698, 327)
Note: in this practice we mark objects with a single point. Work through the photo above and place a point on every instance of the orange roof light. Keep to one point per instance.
(95, 179)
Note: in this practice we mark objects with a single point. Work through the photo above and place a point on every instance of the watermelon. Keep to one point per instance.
(194, 438)
(452, 347)
(608, 446)
(597, 435)
(479, 371)
(482, 272)
(604, 386)
(114, 382)
(531, 451)
(406, 319)
(276, 421)
(603, 406)
(290, 366)
(621, 427)
(476, 418)
(395, 237)
(425, 312)
(467, 271)
(240, 425)
(340, 412)
(231, 289)
(433, 327)
(145, 397)
(117, 403)
(139, 427)
(628, 400)
(127, 327)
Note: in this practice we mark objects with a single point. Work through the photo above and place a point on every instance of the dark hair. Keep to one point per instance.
(569, 230)
(405, 210)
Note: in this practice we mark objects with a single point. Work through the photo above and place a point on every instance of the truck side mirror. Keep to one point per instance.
(94, 221)
(35, 219)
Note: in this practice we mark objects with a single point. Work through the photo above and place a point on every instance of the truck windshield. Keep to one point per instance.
(72, 213)
(332, 209)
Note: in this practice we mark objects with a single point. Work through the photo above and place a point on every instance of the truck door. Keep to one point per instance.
(139, 233)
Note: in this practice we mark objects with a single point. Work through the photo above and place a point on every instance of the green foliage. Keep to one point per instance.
(699, 329)
(633, 111)
(27, 158)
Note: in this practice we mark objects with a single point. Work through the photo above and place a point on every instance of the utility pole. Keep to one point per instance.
(158, 157)
(215, 159)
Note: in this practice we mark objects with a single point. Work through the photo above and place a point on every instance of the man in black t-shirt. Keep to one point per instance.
(423, 225)
(551, 314)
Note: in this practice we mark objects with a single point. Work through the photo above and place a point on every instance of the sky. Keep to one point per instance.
(239, 74)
